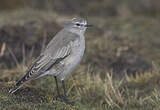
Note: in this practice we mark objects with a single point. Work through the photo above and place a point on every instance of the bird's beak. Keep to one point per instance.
(88, 25)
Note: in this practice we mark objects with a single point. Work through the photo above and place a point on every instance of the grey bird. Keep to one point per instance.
(60, 57)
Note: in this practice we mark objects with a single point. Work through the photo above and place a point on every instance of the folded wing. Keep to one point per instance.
(44, 62)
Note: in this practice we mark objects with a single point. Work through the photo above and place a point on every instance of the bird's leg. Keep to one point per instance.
(55, 77)
(64, 90)
(64, 96)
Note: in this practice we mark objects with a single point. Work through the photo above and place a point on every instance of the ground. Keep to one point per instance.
(119, 71)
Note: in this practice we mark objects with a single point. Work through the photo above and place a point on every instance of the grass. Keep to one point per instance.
(86, 90)
(94, 85)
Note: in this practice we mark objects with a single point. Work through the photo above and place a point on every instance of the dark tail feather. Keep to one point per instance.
(17, 86)
(14, 89)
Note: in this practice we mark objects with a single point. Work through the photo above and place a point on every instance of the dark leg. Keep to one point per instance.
(64, 89)
(57, 86)
(64, 96)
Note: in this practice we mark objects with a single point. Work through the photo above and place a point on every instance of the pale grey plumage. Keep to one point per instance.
(62, 54)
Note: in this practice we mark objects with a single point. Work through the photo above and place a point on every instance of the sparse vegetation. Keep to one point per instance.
(120, 69)
(88, 91)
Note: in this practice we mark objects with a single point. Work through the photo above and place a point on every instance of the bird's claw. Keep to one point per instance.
(63, 98)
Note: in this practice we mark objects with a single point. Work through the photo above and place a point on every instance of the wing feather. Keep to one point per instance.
(58, 49)
(44, 62)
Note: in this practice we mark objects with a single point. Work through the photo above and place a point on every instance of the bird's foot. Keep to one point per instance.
(63, 98)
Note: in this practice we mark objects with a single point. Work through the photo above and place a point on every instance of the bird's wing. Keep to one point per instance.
(44, 62)
(58, 49)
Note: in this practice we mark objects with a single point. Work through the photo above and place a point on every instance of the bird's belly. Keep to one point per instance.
(72, 62)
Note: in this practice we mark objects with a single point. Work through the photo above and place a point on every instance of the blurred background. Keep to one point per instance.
(125, 36)
(125, 39)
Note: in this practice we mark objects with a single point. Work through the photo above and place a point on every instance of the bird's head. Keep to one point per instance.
(77, 25)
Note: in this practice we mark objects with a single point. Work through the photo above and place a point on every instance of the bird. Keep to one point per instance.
(60, 57)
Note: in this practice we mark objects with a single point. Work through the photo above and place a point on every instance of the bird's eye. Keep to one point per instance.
(78, 24)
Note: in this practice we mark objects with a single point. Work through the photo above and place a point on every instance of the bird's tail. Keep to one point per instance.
(17, 86)
(13, 90)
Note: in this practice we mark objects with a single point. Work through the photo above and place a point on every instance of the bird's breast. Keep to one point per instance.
(77, 52)
(72, 61)
(79, 47)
